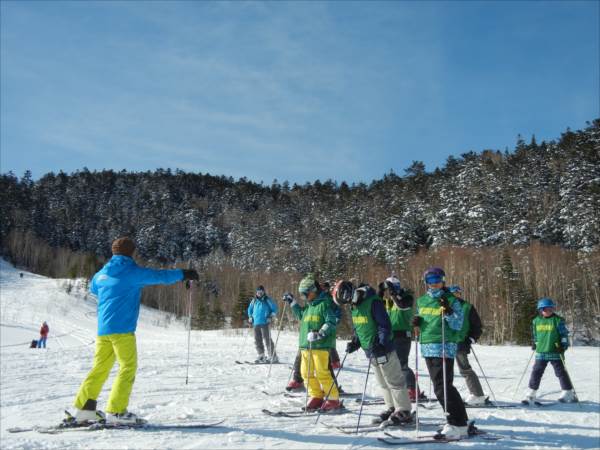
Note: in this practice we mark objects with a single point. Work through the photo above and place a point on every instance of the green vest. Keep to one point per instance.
(312, 317)
(400, 318)
(462, 334)
(545, 333)
(429, 310)
(364, 323)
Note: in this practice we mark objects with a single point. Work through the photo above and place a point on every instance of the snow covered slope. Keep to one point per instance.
(37, 385)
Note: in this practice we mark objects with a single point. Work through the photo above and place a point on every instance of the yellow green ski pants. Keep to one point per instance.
(319, 379)
(121, 347)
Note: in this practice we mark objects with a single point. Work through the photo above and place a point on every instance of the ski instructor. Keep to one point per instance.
(118, 287)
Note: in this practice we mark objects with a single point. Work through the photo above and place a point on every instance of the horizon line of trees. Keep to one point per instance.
(501, 210)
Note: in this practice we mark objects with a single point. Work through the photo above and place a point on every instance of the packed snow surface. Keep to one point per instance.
(38, 385)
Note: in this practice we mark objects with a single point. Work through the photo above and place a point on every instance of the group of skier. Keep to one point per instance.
(385, 322)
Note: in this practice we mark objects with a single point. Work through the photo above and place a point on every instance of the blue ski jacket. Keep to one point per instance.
(261, 310)
(118, 286)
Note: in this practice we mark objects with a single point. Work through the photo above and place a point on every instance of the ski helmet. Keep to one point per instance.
(363, 291)
(434, 275)
(545, 303)
(342, 292)
(393, 284)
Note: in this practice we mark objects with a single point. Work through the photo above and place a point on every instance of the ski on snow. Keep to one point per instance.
(94, 426)
(537, 403)
(370, 428)
(254, 363)
(474, 433)
(294, 413)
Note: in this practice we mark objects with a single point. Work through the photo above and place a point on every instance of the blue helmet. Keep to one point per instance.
(545, 303)
(434, 275)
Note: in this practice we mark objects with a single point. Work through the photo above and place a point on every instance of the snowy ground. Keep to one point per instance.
(37, 385)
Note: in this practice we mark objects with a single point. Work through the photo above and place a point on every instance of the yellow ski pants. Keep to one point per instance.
(121, 347)
(319, 380)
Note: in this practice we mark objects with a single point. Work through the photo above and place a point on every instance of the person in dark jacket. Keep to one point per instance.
(467, 336)
(373, 333)
(399, 306)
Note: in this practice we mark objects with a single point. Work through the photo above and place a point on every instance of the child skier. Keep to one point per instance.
(467, 336)
(550, 340)
(261, 311)
(44, 330)
(373, 333)
(399, 306)
(118, 287)
(317, 332)
(436, 309)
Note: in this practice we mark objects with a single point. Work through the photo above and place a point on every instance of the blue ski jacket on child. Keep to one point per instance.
(261, 309)
(118, 286)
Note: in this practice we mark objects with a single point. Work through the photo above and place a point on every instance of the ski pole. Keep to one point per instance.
(562, 358)
(484, 377)
(417, 390)
(187, 369)
(308, 377)
(524, 372)
(444, 362)
(363, 397)
(331, 387)
(276, 339)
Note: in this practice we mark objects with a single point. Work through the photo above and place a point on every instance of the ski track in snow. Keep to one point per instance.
(37, 385)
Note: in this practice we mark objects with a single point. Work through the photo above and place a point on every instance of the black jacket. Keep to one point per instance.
(475, 329)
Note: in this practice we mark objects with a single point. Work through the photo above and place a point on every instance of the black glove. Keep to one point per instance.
(445, 305)
(416, 321)
(190, 274)
(560, 348)
(288, 298)
(352, 346)
(533, 346)
(378, 350)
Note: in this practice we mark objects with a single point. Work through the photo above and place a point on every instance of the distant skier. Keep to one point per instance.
(550, 341)
(373, 333)
(44, 330)
(399, 306)
(467, 336)
(436, 309)
(118, 287)
(261, 312)
(317, 333)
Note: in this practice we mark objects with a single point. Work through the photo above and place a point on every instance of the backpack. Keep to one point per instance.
(33, 344)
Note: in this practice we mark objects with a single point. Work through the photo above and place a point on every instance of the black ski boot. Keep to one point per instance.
(385, 415)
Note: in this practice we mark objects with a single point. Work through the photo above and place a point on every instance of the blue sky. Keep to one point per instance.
(292, 91)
